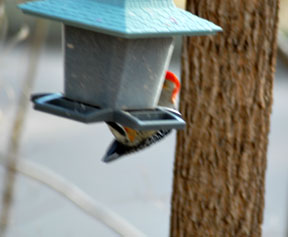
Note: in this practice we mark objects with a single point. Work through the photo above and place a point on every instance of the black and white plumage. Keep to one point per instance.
(117, 149)
(128, 140)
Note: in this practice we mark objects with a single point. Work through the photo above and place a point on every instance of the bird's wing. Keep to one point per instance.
(116, 149)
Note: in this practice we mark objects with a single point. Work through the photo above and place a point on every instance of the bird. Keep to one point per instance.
(128, 140)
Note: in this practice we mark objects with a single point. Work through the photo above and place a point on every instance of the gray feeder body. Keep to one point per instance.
(113, 72)
(116, 55)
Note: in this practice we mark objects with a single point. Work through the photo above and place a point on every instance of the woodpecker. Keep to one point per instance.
(128, 140)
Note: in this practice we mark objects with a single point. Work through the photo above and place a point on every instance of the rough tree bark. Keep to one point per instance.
(226, 99)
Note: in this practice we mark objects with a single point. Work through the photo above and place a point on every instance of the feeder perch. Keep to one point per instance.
(116, 53)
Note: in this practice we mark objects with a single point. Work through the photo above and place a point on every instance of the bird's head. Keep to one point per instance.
(170, 90)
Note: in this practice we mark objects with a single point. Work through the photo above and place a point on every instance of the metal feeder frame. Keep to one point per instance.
(127, 27)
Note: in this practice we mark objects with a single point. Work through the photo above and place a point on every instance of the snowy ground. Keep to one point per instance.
(138, 187)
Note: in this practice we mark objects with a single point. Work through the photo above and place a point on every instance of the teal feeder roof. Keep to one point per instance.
(127, 19)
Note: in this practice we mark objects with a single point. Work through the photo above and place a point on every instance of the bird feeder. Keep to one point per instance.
(116, 53)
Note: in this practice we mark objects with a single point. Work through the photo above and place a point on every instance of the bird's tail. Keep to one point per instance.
(115, 151)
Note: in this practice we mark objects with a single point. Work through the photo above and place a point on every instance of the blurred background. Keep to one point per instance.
(139, 187)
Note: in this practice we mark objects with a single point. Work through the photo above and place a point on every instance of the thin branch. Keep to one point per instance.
(3, 21)
(74, 194)
(14, 141)
(20, 36)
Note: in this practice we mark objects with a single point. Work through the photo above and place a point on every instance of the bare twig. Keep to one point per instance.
(14, 142)
(21, 35)
(3, 21)
(74, 194)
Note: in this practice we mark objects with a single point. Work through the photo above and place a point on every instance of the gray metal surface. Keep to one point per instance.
(158, 118)
(112, 72)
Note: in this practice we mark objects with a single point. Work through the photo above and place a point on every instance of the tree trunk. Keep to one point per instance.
(226, 99)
